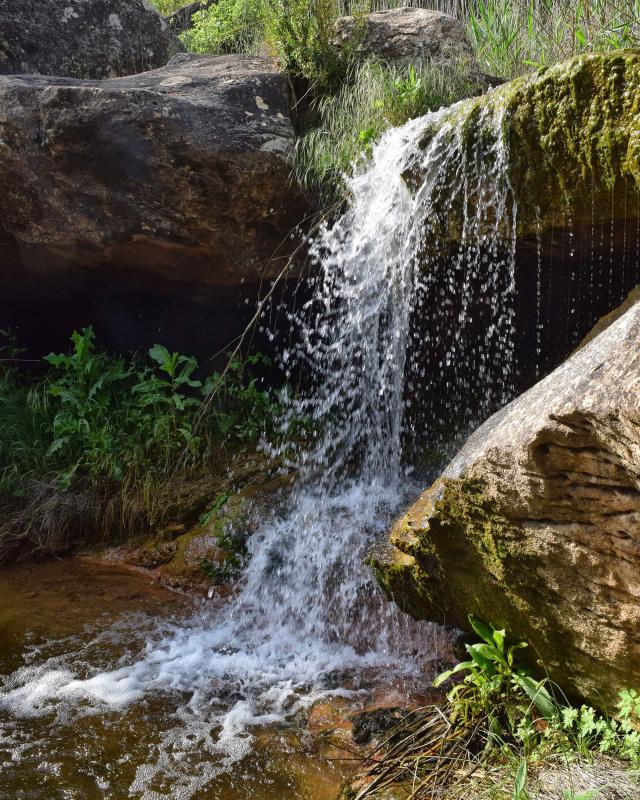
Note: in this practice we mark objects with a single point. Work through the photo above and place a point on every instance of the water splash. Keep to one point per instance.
(431, 225)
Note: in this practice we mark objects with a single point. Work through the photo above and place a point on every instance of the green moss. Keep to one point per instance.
(453, 554)
(573, 134)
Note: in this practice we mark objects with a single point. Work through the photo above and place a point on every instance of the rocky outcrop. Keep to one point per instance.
(405, 36)
(83, 38)
(175, 180)
(535, 525)
(570, 135)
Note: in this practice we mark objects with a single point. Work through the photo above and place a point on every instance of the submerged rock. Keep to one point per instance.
(535, 525)
(83, 38)
(406, 36)
(166, 185)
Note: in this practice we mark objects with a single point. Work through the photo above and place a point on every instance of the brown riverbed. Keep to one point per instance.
(99, 612)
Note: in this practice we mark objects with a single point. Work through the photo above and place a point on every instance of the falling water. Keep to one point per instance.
(431, 225)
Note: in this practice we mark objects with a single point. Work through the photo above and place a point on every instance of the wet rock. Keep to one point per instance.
(406, 36)
(83, 38)
(370, 724)
(146, 197)
(571, 140)
(535, 525)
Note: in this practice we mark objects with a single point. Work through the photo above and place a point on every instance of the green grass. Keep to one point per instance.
(510, 37)
(373, 99)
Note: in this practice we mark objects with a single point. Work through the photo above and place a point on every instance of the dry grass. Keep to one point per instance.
(429, 757)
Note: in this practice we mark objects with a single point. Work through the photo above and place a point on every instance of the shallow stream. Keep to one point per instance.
(91, 617)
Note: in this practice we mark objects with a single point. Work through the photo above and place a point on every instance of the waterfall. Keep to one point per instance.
(430, 226)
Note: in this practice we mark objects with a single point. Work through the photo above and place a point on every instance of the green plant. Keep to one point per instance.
(228, 26)
(168, 6)
(85, 387)
(618, 736)
(520, 784)
(509, 37)
(569, 794)
(300, 32)
(226, 570)
(167, 399)
(493, 683)
(240, 408)
(373, 98)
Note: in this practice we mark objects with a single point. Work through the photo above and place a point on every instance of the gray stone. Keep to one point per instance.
(406, 36)
(155, 207)
(181, 172)
(83, 38)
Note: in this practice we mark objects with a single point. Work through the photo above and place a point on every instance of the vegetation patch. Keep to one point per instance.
(504, 735)
(93, 440)
(374, 98)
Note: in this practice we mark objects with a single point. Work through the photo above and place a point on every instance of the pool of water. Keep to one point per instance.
(63, 625)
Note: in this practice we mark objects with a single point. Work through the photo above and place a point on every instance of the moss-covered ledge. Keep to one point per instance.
(573, 135)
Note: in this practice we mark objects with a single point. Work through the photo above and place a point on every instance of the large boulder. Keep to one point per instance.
(83, 38)
(173, 184)
(535, 525)
(569, 133)
(405, 36)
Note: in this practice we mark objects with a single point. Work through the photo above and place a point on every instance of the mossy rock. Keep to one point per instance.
(573, 138)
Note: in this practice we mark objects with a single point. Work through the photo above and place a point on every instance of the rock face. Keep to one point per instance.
(83, 38)
(175, 178)
(571, 138)
(535, 525)
(406, 36)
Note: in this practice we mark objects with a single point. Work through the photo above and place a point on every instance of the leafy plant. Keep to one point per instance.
(228, 26)
(109, 418)
(492, 682)
(240, 408)
(84, 387)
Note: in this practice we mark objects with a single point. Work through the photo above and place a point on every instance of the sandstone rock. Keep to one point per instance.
(406, 36)
(83, 38)
(535, 525)
(142, 185)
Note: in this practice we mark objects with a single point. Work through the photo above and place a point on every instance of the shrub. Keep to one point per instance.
(110, 418)
(228, 26)
(169, 6)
